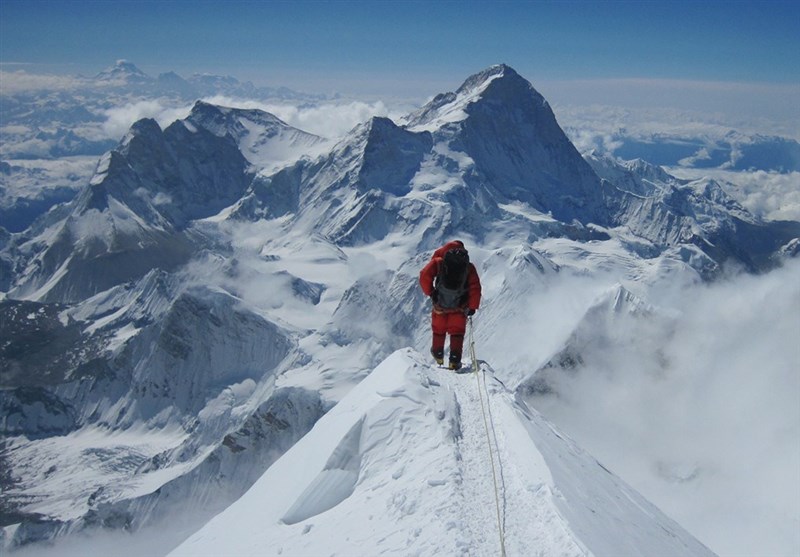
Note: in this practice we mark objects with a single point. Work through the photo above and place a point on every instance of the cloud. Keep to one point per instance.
(698, 409)
(119, 119)
(21, 81)
(587, 140)
(159, 198)
(646, 123)
(29, 147)
(15, 129)
(769, 194)
(772, 107)
(328, 119)
(97, 542)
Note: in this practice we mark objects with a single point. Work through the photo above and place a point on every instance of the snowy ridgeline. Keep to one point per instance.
(402, 466)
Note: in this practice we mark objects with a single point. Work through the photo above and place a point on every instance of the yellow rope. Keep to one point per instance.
(475, 366)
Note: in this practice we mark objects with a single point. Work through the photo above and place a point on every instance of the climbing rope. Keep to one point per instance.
(475, 368)
(497, 446)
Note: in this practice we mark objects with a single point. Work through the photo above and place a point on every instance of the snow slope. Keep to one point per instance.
(408, 445)
(266, 141)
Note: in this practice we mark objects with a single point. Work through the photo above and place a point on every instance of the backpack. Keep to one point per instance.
(451, 282)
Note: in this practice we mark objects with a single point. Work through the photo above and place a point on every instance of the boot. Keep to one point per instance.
(438, 355)
(455, 362)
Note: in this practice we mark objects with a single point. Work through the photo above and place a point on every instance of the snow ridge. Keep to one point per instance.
(407, 445)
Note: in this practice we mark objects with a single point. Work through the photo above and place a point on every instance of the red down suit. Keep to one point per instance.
(452, 321)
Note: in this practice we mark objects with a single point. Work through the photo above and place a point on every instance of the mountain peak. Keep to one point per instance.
(126, 65)
(146, 129)
(202, 107)
(484, 77)
(122, 70)
(510, 133)
(385, 155)
(374, 127)
(223, 120)
(500, 81)
(265, 140)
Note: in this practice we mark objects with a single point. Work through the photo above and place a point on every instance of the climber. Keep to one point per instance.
(453, 285)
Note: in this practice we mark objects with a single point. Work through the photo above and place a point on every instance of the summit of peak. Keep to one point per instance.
(381, 123)
(368, 130)
(122, 70)
(499, 81)
(125, 64)
(208, 114)
(510, 133)
(201, 107)
(483, 77)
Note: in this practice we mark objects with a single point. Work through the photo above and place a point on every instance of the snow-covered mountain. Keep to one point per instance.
(265, 140)
(125, 76)
(222, 283)
(144, 195)
(52, 135)
(672, 212)
(122, 72)
(497, 121)
(608, 321)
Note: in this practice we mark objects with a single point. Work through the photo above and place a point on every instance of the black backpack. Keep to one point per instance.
(451, 282)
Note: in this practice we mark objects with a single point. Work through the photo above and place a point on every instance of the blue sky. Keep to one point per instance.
(409, 47)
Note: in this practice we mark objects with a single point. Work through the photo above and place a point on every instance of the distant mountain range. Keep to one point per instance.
(50, 135)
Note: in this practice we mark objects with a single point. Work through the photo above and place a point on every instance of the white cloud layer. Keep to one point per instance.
(119, 119)
(701, 414)
(589, 126)
(21, 81)
(329, 119)
(770, 107)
